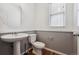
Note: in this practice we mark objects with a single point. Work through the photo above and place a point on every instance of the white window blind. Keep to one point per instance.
(57, 14)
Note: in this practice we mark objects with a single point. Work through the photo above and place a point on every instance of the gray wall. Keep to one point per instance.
(6, 48)
(60, 41)
(75, 44)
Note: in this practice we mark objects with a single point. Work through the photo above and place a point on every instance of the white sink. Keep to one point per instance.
(13, 37)
(16, 38)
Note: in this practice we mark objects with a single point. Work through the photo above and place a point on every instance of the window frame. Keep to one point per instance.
(49, 17)
(77, 10)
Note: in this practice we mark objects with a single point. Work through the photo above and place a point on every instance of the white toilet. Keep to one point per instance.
(37, 46)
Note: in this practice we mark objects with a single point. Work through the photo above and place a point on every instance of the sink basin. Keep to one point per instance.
(13, 37)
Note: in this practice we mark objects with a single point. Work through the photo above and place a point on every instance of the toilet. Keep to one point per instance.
(37, 46)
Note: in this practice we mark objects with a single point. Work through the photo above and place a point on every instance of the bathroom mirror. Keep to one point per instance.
(10, 14)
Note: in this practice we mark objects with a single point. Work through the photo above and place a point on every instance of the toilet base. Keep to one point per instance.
(37, 51)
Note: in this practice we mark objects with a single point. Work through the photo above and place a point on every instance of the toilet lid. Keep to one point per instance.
(39, 44)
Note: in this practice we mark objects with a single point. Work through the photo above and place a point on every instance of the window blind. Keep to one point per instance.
(57, 14)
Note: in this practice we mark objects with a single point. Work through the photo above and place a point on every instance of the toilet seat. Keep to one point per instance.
(39, 44)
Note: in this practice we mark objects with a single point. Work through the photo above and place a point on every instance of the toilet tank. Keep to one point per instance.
(32, 38)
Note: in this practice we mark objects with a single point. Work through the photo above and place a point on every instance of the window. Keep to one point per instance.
(57, 14)
(77, 14)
